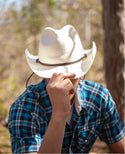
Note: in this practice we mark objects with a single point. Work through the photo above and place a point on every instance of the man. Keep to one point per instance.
(63, 113)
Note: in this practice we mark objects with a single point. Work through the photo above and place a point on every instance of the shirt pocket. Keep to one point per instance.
(86, 138)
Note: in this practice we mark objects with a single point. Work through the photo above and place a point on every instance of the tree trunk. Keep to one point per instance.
(113, 23)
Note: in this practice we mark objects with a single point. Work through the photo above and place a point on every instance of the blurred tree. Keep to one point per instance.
(88, 15)
(113, 23)
(31, 15)
(29, 20)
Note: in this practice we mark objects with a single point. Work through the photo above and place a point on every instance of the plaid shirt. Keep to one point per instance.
(30, 115)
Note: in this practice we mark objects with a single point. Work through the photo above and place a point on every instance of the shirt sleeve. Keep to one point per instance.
(112, 129)
(24, 130)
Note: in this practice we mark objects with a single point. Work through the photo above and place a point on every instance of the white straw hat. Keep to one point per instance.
(61, 51)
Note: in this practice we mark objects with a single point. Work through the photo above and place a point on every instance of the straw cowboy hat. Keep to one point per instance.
(60, 50)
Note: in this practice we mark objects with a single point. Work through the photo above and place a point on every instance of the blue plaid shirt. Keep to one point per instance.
(30, 114)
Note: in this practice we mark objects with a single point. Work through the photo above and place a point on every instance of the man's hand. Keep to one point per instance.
(59, 90)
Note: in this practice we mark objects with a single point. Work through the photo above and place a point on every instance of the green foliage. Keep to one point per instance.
(52, 3)
(28, 22)
(31, 17)
(9, 84)
(16, 23)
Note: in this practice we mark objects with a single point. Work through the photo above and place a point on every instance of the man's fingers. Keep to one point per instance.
(54, 76)
(65, 82)
(69, 89)
(68, 75)
(68, 86)
(64, 75)
(61, 76)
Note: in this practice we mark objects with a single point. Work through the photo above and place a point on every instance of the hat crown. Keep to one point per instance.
(58, 46)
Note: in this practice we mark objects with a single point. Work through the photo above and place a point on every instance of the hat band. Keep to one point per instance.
(61, 64)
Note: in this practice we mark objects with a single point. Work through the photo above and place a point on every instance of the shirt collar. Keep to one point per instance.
(80, 93)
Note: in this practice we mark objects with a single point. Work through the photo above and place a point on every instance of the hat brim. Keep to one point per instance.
(80, 68)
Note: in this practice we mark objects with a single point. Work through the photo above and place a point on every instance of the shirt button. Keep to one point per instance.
(85, 141)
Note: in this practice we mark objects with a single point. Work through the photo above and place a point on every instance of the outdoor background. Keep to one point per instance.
(21, 24)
